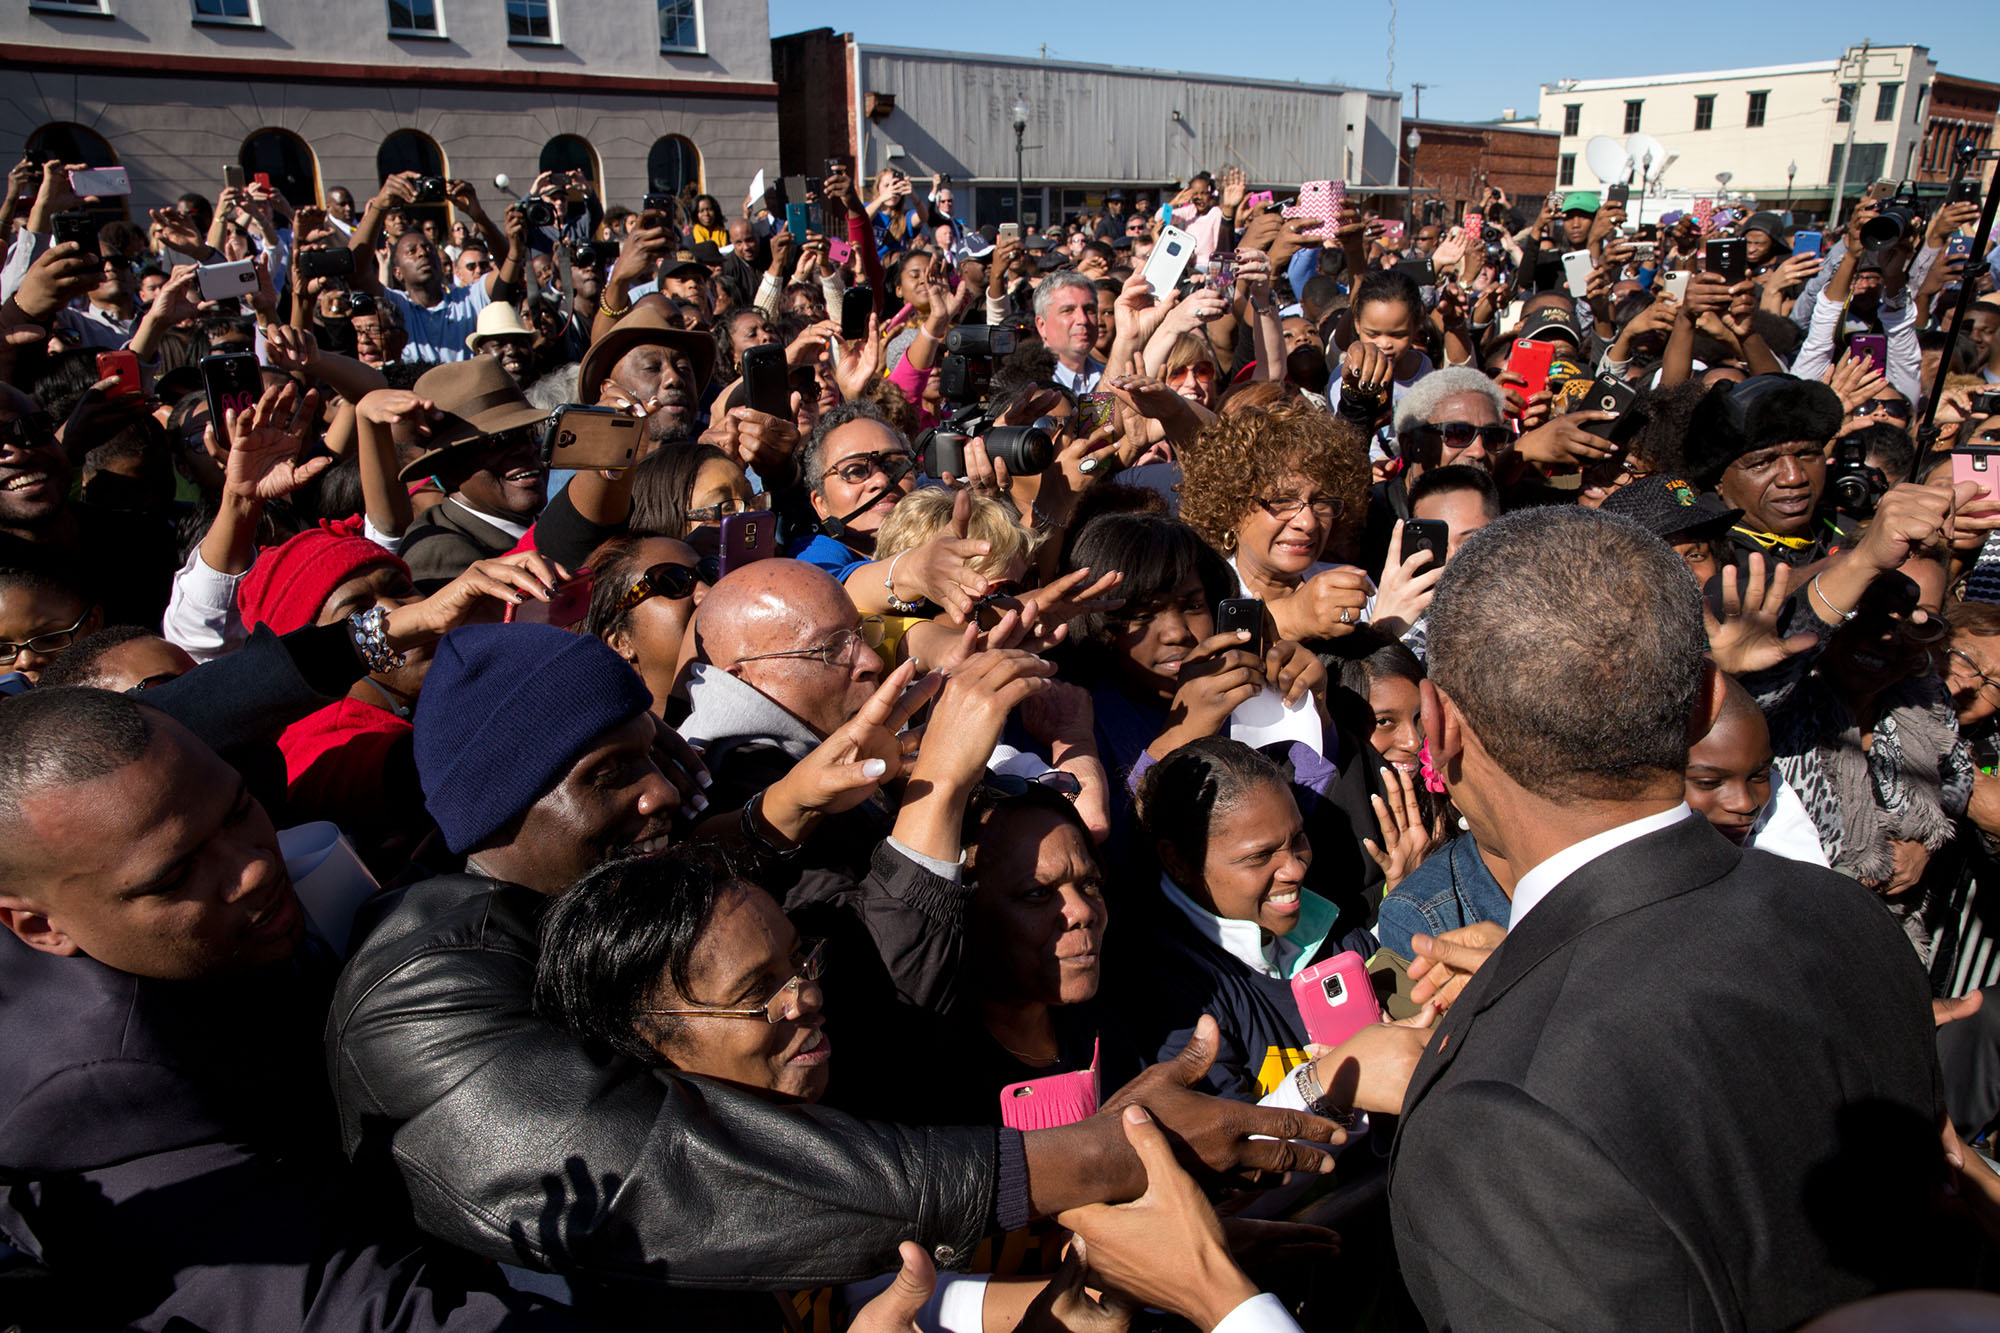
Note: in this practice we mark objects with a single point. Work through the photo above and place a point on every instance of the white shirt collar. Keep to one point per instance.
(1539, 882)
(1245, 941)
(512, 527)
(1079, 381)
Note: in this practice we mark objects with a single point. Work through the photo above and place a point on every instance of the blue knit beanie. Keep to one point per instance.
(504, 711)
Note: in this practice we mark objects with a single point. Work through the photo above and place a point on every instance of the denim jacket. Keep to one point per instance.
(1452, 888)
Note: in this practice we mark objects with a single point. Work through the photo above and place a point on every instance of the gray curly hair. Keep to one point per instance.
(1427, 393)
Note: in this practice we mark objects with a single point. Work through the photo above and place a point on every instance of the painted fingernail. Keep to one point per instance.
(699, 803)
(874, 768)
(704, 778)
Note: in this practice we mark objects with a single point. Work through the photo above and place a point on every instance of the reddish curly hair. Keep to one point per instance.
(1249, 454)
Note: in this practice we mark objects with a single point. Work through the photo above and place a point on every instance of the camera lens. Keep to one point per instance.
(1025, 450)
(1886, 227)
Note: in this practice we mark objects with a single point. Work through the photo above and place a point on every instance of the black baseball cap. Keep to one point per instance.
(1117, 195)
(1669, 506)
(1549, 323)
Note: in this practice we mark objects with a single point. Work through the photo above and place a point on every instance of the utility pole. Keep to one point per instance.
(1417, 113)
(1853, 118)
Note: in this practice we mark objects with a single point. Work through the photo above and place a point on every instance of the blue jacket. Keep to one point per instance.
(1452, 888)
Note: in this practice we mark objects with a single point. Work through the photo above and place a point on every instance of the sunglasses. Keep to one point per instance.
(36, 430)
(1461, 434)
(669, 580)
(1884, 407)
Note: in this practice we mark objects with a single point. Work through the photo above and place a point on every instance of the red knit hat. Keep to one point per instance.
(288, 584)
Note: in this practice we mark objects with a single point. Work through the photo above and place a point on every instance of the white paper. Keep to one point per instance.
(756, 195)
(1266, 719)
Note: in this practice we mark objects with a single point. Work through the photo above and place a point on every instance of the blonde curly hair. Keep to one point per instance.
(926, 512)
(1249, 454)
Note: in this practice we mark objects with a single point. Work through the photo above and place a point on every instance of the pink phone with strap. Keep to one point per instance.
(1052, 1102)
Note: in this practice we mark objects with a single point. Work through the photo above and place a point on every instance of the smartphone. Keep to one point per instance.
(1475, 227)
(857, 304)
(767, 384)
(1420, 271)
(1171, 255)
(233, 383)
(1094, 411)
(1010, 231)
(1318, 201)
(1392, 235)
(1618, 192)
(1577, 265)
(1873, 347)
(1730, 257)
(1049, 1103)
(80, 228)
(1531, 359)
(1985, 403)
(1257, 199)
(1610, 394)
(100, 182)
(592, 439)
(838, 251)
(565, 609)
(1336, 999)
(263, 178)
(1808, 242)
(1389, 972)
(1976, 465)
(1644, 252)
(1965, 190)
(1426, 534)
(1239, 613)
(232, 176)
(747, 538)
(1675, 283)
(226, 282)
(124, 367)
(333, 261)
(799, 220)
(1958, 247)
(1548, 272)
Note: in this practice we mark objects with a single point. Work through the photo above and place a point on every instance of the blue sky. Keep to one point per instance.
(1473, 58)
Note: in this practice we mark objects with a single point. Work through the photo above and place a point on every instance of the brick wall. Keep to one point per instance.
(1459, 161)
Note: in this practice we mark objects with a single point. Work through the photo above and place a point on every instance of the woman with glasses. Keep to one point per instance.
(683, 488)
(41, 615)
(643, 593)
(1268, 491)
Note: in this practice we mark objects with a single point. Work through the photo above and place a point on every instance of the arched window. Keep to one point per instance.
(287, 160)
(569, 152)
(413, 150)
(673, 167)
(65, 141)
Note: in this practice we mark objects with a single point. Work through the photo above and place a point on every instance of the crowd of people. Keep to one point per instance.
(595, 764)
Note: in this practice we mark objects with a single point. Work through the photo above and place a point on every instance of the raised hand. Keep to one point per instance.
(524, 576)
(1406, 840)
(264, 445)
(851, 765)
(1446, 963)
(858, 363)
(1855, 379)
(291, 349)
(1745, 637)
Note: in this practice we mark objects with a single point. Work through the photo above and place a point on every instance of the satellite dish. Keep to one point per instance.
(1606, 159)
(1660, 165)
(1639, 147)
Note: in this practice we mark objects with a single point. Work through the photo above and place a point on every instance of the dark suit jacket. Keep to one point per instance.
(1695, 1088)
(444, 542)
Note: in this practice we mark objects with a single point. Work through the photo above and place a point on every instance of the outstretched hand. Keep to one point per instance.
(1745, 637)
(264, 445)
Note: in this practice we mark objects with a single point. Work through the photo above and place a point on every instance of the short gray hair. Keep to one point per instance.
(1046, 290)
(812, 457)
(1423, 397)
(1572, 641)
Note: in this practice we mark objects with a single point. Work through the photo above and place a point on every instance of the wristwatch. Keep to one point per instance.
(1306, 1079)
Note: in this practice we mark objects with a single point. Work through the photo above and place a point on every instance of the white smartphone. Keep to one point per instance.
(1171, 255)
(226, 282)
(1510, 319)
(100, 182)
(1010, 231)
(1576, 268)
(1674, 283)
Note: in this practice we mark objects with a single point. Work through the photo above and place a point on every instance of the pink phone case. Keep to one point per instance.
(1319, 201)
(1336, 999)
(839, 251)
(1256, 199)
(1874, 347)
(1977, 466)
(1050, 1103)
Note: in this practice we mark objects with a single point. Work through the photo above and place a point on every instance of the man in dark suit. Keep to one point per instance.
(1694, 1087)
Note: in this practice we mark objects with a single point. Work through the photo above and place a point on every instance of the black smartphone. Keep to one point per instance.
(766, 382)
(233, 384)
(335, 261)
(1730, 257)
(78, 227)
(815, 186)
(1965, 190)
(1240, 613)
(1426, 534)
(1618, 192)
(1420, 271)
(856, 305)
(1609, 394)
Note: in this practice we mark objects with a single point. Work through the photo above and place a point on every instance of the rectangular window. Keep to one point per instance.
(1867, 167)
(1850, 93)
(1566, 172)
(1754, 117)
(1632, 117)
(1704, 112)
(70, 6)
(1572, 118)
(415, 18)
(680, 25)
(1885, 101)
(225, 11)
(531, 21)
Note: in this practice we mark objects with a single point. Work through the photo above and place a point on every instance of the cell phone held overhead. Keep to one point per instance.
(592, 439)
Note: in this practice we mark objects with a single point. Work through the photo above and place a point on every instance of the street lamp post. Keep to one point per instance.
(1791, 170)
(1413, 139)
(1722, 178)
(1020, 130)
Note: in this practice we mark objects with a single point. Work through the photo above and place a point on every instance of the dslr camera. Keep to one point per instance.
(1855, 486)
(1902, 214)
(431, 190)
(967, 374)
(538, 213)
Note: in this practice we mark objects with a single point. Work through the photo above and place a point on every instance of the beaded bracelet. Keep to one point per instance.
(370, 632)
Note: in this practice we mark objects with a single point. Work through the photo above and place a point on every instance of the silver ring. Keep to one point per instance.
(1346, 614)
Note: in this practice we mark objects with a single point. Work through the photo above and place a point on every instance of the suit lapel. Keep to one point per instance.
(1661, 865)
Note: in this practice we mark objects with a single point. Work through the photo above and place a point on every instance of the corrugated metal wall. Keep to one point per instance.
(1097, 124)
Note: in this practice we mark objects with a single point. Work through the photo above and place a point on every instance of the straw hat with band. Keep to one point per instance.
(478, 399)
(498, 320)
(644, 327)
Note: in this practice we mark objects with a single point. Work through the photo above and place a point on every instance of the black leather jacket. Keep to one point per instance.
(515, 1140)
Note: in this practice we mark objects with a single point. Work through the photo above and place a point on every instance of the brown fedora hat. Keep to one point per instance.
(644, 327)
(478, 398)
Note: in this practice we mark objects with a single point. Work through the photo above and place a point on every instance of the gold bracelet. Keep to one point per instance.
(605, 307)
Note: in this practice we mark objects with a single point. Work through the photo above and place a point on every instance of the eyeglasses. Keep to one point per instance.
(837, 649)
(1971, 668)
(475, 265)
(1009, 785)
(667, 580)
(715, 513)
(1884, 407)
(774, 1010)
(1324, 507)
(43, 644)
(893, 464)
(1461, 434)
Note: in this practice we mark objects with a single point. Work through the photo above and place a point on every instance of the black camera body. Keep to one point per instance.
(1902, 214)
(431, 190)
(1026, 450)
(588, 255)
(969, 351)
(1856, 486)
(539, 213)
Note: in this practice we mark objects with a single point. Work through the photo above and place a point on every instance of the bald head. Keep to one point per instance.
(787, 606)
